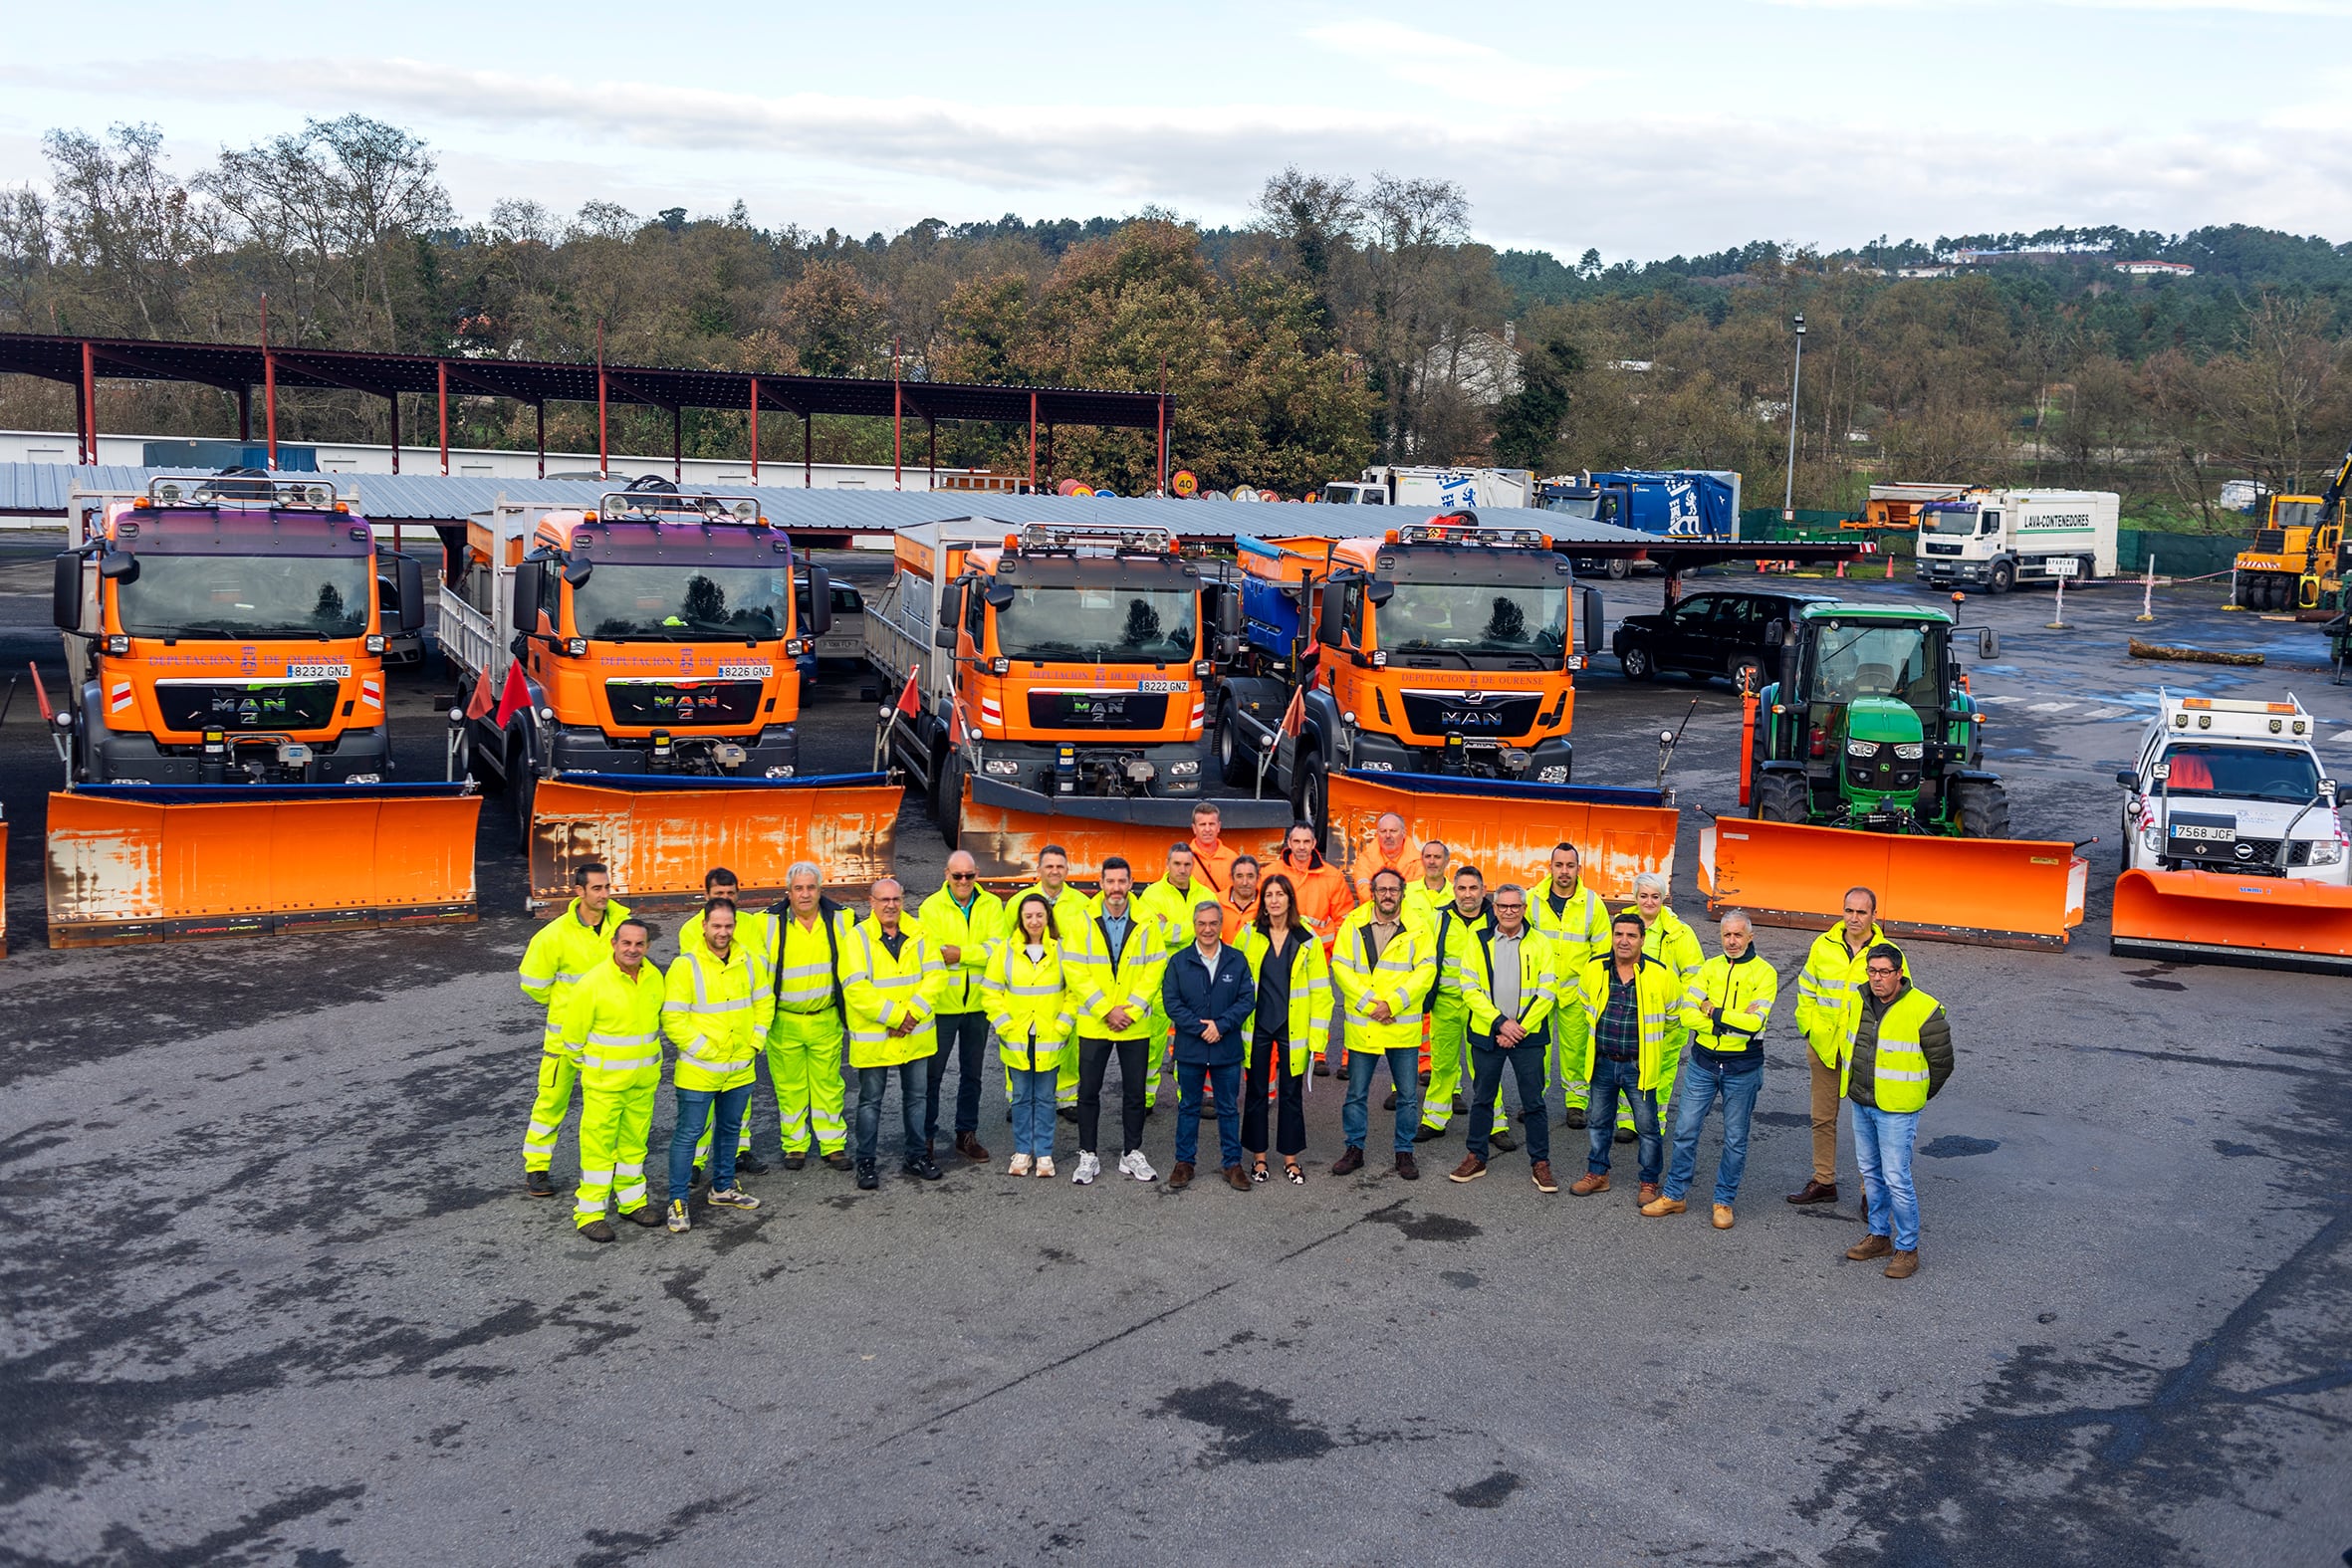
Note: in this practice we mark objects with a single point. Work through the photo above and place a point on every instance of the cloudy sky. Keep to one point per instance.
(1648, 130)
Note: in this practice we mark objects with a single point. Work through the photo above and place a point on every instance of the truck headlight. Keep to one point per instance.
(1861, 748)
(2148, 838)
(1574, 661)
(998, 767)
(1183, 769)
(2326, 852)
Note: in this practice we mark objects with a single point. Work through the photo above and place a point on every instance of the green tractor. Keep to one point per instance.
(1871, 726)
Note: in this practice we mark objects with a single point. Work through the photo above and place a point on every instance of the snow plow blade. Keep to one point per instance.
(1005, 825)
(2222, 918)
(1507, 830)
(1995, 892)
(658, 833)
(179, 862)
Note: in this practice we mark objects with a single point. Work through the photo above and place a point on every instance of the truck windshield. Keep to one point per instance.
(1953, 521)
(1876, 661)
(2294, 513)
(208, 596)
(670, 604)
(1474, 619)
(1109, 625)
(2244, 772)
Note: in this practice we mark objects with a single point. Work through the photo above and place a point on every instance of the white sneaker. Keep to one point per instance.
(734, 1198)
(1019, 1167)
(1046, 1166)
(1090, 1167)
(1141, 1170)
(678, 1223)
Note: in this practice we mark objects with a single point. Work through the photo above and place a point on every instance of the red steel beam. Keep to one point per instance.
(86, 420)
(442, 387)
(755, 431)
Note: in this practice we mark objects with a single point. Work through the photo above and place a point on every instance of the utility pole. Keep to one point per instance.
(1796, 380)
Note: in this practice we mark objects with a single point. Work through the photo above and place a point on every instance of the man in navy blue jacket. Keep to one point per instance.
(1209, 994)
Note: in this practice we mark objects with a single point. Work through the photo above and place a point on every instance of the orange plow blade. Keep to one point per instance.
(1999, 892)
(2267, 922)
(1005, 826)
(167, 863)
(1507, 830)
(658, 833)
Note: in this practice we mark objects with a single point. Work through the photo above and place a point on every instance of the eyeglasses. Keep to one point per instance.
(961, 876)
(1882, 974)
(1509, 908)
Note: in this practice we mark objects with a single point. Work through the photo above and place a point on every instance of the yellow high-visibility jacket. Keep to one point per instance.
(755, 935)
(612, 1027)
(1745, 991)
(1539, 980)
(1099, 985)
(1657, 993)
(1829, 991)
(963, 985)
(804, 967)
(1309, 1016)
(1402, 978)
(561, 954)
(717, 1013)
(1028, 1006)
(883, 992)
(1580, 926)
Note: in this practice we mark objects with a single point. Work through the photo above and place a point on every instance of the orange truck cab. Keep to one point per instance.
(1443, 649)
(228, 629)
(653, 633)
(1064, 662)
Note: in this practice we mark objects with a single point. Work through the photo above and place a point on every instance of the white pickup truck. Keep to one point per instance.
(2231, 786)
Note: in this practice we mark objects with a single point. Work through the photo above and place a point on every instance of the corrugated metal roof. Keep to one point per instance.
(44, 488)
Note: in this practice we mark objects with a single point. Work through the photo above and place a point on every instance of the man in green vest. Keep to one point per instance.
(1895, 1057)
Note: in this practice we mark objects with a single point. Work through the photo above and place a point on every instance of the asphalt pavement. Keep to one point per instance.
(274, 1293)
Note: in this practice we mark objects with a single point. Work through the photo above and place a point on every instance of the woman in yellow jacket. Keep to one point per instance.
(1293, 1013)
(1028, 1004)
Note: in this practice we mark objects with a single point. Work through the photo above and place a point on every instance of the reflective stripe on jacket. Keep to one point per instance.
(1099, 985)
(716, 1013)
(1309, 1016)
(1401, 979)
(1657, 993)
(1540, 978)
(963, 985)
(883, 992)
(754, 938)
(1829, 989)
(559, 955)
(803, 982)
(1028, 1006)
(1582, 927)
(611, 1025)
(1899, 1068)
(1745, 991)
(1447, 928)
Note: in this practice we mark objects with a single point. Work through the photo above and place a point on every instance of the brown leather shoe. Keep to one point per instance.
(1408, 1167)
(1649, 1193)
(644, 1215)
(1542, 1175)
(597, 1231)
(1816, 1193)
(969, 1146)
(1661, 1205)
(1470, 1170)
(1869, 1247)
(1352, 1159)
(1903, 1265)
(1586, 1185)
(1180, 1177)
(1237, 1178)
(1722, 1216)
(839, 1160)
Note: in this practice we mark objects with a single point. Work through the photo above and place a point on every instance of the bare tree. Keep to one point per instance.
(118, 214)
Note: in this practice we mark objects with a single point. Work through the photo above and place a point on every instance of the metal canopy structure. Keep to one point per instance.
(237, 368)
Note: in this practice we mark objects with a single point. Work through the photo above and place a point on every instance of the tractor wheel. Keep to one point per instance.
(1982, 808)
(1635, 661)
(1780, 797)
(1233, 760)
(2004, 577)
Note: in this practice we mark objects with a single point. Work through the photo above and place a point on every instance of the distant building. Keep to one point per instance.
(2155, 269)
(1938, 270)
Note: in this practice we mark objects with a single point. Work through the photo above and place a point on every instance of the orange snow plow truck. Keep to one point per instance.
(223, 730)
(627, 673)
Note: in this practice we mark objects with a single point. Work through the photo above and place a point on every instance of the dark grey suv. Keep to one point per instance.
(1729, 634)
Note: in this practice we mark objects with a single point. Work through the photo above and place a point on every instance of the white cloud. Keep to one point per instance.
(1372, 38)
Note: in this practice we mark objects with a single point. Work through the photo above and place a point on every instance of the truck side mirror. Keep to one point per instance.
(118, 566)
(1776, 633)
(2327, 791)
(527, 599)
(410, 577)
(1229, 615)
(1000, 594)
(1988, 643)
(1330, 628)
(944, 636)
(66, 594)
(2129, 778)
(578, 571)
(1379, 591)
(821, 603)
(1592, 610)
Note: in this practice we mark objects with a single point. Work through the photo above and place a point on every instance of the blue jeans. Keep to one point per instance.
(960, 1035)
(1226, 1084)
(694, 1114)
(872, 1084)
(1526, 1060)
(1702, 1081)
(1882, 1147)
(1032, 1111)
(1404, 1070)
(1608, 1078)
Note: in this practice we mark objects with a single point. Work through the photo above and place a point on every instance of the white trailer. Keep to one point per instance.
(1440, 489)
(1998, 539)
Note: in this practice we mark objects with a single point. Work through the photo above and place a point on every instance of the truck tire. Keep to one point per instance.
(1637, 664)
(1618, 569)
(2002, 577)
(947, 799)
(522, 795)
(1780, 797)
(1313, 803)
(1233, 760)
(1982, 808)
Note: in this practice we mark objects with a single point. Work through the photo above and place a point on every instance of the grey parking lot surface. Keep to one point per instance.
(274, 1294)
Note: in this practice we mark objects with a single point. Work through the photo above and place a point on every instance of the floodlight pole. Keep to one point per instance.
(1796, 380)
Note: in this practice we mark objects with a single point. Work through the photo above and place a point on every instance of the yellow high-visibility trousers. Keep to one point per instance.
(553, 1103)
(805, 1068)
(616, 1119)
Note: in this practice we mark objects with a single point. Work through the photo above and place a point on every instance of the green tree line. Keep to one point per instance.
(1347, 322)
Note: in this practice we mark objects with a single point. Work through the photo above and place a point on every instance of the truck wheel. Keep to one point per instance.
(947, 805)
(1746, 673)
(1982, 808)
(1780, 797)
(1619, 568)
(1313, 801)
(2003, 577)
(1635, 662)
(522, 794)
(1233, 760)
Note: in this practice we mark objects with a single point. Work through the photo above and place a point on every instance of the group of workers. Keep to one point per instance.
(1252, 979)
